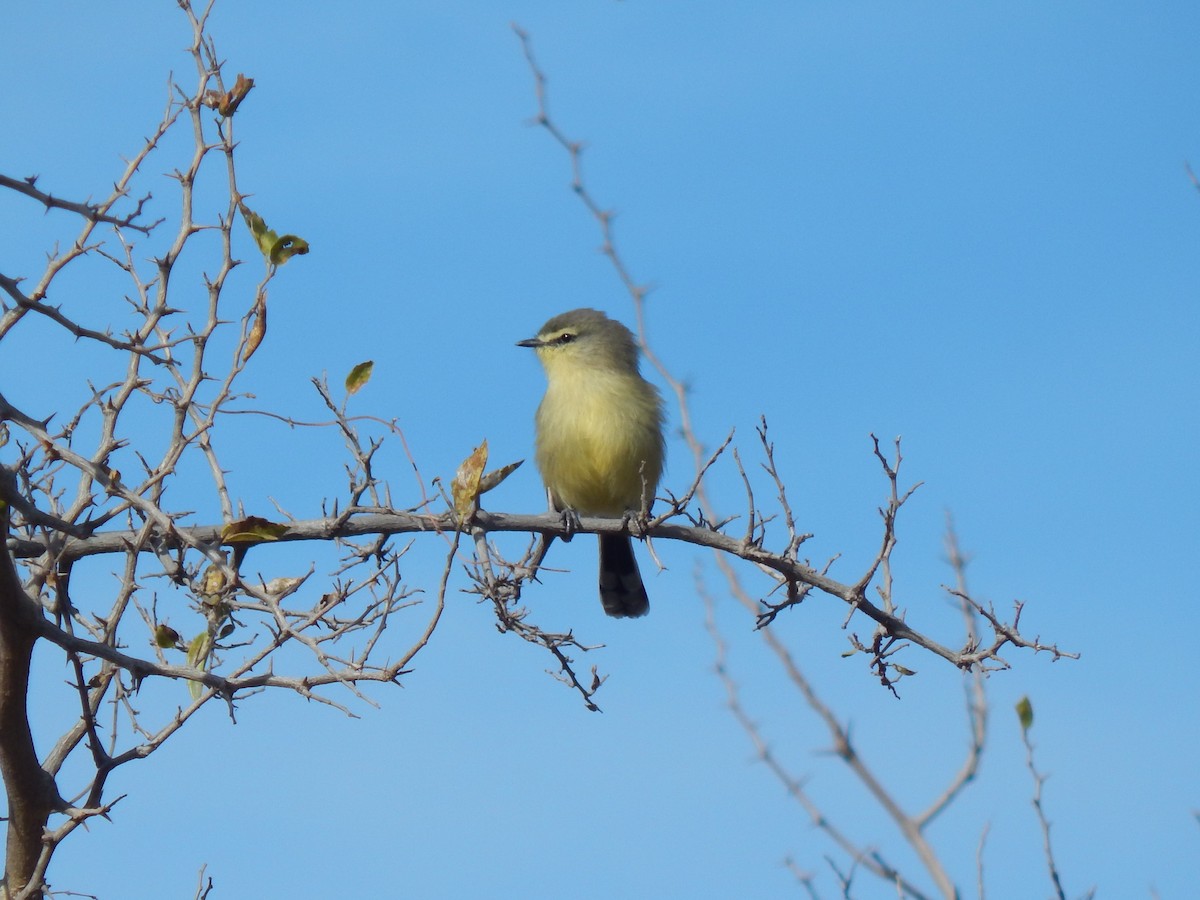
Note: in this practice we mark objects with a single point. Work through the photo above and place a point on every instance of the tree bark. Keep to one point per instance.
(32, 793)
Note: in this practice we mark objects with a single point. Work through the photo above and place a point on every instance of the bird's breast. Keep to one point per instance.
(599, 444)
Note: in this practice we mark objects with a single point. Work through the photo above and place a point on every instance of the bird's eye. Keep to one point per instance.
(565, 338)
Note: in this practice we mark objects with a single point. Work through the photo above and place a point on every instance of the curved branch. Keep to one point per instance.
(350, 524)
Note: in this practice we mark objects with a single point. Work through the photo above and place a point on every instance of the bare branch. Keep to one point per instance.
(93, 212)
(872, 860)
(797, 577)
(1039, 781)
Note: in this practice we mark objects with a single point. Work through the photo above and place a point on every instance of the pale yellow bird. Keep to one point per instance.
(599, 438)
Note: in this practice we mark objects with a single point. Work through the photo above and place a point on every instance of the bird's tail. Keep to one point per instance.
(621, 588)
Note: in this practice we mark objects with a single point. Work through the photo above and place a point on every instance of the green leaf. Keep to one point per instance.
(197, 652)
(252, 529)
(276, 249)
(359, 376)
(286, 247)
(263, 236)
(197, 658)
(1025, 713)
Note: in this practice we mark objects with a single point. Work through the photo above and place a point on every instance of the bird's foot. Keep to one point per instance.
(637, 521)
(570, 520)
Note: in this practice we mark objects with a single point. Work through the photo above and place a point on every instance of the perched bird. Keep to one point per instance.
(599, 438)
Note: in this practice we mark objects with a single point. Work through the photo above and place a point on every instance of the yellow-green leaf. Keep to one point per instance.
(197, 652)
(213, 582)
(263, 236)
(276, 249)
(359, 376)
(464, 489)
(493, 478)
(1025, 713)
(286, 247)
(197, 658)
(252, 529)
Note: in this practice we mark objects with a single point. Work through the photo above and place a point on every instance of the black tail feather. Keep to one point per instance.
(621, 588)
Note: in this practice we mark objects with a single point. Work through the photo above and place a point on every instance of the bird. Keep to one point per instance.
(599, 443)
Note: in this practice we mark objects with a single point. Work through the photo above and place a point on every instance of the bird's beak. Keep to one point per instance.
(531, 342)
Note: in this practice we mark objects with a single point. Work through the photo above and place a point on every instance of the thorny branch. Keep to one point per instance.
(911, 826)
(872, 860)
(92, 212)
(1039, 781)
(360, 522)
(78, 487)
(89, 487)
(798, 578)
(503, 589)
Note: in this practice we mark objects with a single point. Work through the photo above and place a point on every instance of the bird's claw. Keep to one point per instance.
(570, 520)
(637, 521)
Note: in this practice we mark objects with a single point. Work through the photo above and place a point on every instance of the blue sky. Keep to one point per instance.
(969, 225)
